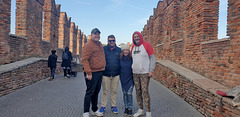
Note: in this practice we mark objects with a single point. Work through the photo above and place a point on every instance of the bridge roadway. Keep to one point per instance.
(64, 98)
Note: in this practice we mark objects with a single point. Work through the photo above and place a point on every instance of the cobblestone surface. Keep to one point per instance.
(64, 98)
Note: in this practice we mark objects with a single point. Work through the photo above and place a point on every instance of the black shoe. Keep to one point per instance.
(130, 113)
(126, 111)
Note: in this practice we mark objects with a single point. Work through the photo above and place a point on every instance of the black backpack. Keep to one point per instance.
(65, 55)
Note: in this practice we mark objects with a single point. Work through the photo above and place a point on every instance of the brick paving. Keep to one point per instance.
(64, 98)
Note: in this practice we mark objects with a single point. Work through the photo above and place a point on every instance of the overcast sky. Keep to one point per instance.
(118, 17)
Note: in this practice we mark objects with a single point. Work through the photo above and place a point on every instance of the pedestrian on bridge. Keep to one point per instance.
(126, 78)
(93, 60)
(111, 74)
(66, 62)
(143, 67)
(52, 63)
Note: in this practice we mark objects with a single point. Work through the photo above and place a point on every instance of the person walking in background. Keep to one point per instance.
(93, 60)
(143, 67)
(111, 74)
(52, 63)
(66, 62)
(126, 78)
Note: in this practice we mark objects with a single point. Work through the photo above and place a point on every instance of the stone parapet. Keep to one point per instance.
(195, 89)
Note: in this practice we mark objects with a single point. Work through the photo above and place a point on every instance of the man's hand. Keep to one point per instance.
(89, 77)
(150, 74)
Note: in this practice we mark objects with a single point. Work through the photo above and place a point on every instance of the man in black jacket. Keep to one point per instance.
(52, 63)
(111, 74)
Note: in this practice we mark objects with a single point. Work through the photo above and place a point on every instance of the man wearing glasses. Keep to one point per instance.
(111, 74)
(143, 67)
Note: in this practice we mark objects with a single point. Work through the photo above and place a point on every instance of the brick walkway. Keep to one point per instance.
(64, 98)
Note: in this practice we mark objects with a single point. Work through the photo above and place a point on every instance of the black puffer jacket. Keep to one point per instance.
(112, 61)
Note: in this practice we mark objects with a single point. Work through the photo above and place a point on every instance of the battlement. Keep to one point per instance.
(185, 32)
(40, 27)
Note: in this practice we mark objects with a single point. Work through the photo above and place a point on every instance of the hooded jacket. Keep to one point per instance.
(67, 63)
(143, 56)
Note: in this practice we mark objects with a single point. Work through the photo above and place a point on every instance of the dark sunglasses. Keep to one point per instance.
(111, 40)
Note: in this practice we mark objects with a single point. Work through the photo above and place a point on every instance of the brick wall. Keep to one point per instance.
(84, 40)
(24, 76)
(34, 37)
(204, 101)
(79, 43)
(40, 27)
(26, 73)
(185, 32)
(51, 22)
(18, 48)
(64, 30)
(73, 38)
(29, 23)
(5, 8)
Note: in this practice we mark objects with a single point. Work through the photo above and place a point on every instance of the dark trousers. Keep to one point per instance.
(93, 88)
(52, 72)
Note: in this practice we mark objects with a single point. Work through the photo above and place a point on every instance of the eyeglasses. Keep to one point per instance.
(111, 40)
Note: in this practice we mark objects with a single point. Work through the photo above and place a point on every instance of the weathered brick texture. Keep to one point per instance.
(79, 43)
(50, 27)
(73, 38)
(40, 27)
(18, 48)
(204, 101)
(5, 7)
(185, 32)
(25, 75)
(64, 30)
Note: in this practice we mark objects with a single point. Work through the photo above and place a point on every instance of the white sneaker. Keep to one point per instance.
(139, 113)
(148, 114)
(97, 113)
(86, 114)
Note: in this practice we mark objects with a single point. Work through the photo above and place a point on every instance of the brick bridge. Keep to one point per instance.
(191, 60)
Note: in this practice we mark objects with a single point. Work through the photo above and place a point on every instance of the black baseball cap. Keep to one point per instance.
(95, 30)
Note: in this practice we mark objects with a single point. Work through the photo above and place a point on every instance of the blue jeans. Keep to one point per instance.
(52, 72)
(127, 98)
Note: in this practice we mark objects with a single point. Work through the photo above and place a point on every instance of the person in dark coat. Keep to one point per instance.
(66, 62)
(52, 63)
(126, 78)
(111, 74)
